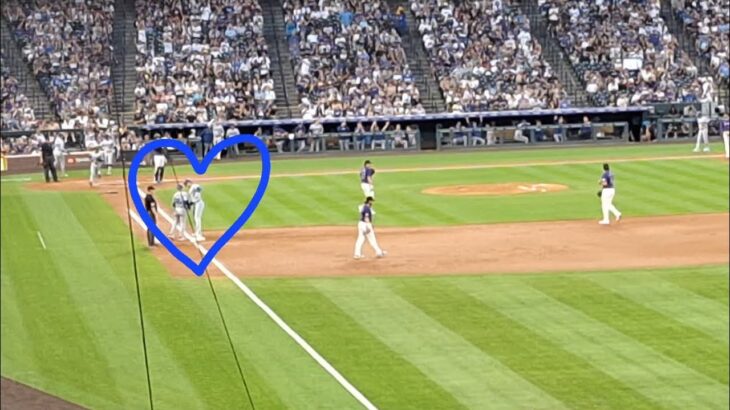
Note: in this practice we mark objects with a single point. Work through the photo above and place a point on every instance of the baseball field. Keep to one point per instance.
(499, 290)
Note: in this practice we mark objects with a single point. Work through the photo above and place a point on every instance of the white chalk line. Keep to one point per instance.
(15, 179)
(40, 238)
(272, 315)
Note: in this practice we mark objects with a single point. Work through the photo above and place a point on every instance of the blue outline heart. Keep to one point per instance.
(200, 168)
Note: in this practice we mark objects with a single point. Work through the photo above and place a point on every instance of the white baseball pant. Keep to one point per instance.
(607, 204)
(365, 231)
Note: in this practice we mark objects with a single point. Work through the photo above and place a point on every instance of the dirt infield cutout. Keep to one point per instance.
(510, 188)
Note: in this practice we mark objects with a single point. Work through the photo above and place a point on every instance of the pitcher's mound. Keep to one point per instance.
(511, 188)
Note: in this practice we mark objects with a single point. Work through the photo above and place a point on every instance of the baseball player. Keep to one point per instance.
(107, 144)
(365, 230)
(366, 179)
(703, 122)
(608, 191)
(725, 131)
(59, 154)
(159, 160)
(195, 193)
(180, 206)
(96, 160)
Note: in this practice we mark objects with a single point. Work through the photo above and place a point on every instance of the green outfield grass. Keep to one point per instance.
(629, 339)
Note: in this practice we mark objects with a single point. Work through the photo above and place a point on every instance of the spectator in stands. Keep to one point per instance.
(15, 110)
(709, 22)
(200, 61)
(623, 51)
(485, 56)
(68, 47)
(348, 59)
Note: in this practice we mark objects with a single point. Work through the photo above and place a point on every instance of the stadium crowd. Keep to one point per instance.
(485, 57)
(201, 60)
(67, 45)
(709, 21)
(15, 111)
(623, 51)
(349, 59)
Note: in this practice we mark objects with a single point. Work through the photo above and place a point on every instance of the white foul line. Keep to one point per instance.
(40, 238)
(273, 316)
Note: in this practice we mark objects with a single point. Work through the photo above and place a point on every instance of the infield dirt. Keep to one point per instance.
(535, 247)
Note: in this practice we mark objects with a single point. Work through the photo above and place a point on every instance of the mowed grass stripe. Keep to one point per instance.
(381, 374)
(649, 290)
(665, 335)
(655, 376)
(472, 376)
(532, 356)
(172, 388)
(711, 283)
(686, 188)
(17, 360)
(100, 297)
(33, 274)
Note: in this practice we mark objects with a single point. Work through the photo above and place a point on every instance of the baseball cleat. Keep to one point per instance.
(707, 149)
(618, 217)
(382, 255)
(358, 257)
(604, 222)
(696, 150)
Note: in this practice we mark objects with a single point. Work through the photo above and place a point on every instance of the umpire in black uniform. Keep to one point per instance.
(150, 204)
(47, 160)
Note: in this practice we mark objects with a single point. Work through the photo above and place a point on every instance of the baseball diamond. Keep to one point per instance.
(517, 300)
(364, 204)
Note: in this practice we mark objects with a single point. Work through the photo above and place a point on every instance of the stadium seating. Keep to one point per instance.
(485, 57)
(709, 21)
(197, 61)
(67, 44)
(348, 59)
(15, 112)
(623, 51)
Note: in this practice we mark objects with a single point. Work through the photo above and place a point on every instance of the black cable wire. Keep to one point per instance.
(217, 303)
(136, 282)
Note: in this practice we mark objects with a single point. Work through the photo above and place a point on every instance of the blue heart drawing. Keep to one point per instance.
(200, 168)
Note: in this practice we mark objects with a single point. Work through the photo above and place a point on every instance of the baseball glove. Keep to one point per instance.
(599, 193)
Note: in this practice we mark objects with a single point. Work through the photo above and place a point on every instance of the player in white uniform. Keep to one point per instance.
(367, 173)
(180, 201)
(703, 122)
(59, 154)
(107, 145)
(96, 159)
(195, 193)
(365, 230)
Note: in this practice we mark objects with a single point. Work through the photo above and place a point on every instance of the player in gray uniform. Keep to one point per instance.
(607, 193)
(59, 153)
(180, 201)
(96, 159)
(107, 144)
(195, 193)
(365, 230)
